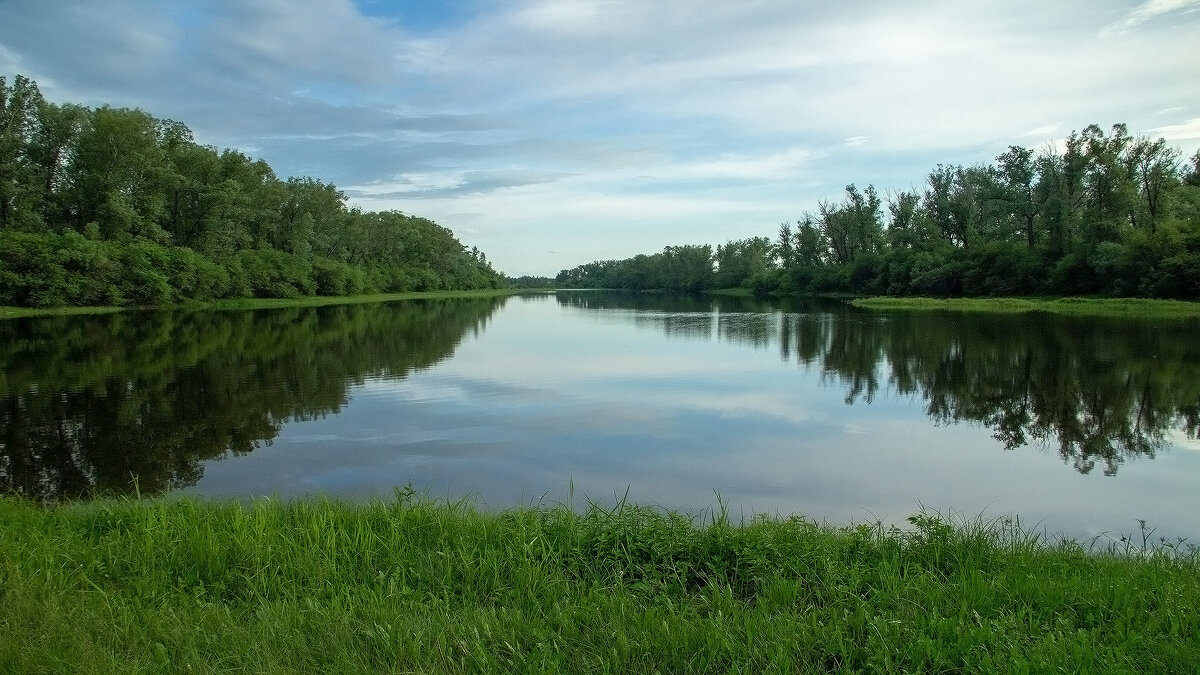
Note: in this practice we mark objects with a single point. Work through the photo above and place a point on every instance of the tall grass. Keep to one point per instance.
(412, 585)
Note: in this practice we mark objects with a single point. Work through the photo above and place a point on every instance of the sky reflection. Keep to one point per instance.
(677, 408)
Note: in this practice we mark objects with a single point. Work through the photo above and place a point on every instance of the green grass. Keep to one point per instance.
(411, 585)
(737, 292)
(18, 312)
(1091, 306)
(261, 303)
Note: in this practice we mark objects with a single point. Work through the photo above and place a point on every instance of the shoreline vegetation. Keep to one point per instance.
(1104, 214)
(1133, 307)
(1149, 307)
(263, 303)
(416, 585)
(115, 207)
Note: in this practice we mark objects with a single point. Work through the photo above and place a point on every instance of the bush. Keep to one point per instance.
(274, 274)
(1177, 277)
(865, 274)
(195, 277)
(145, 274)
(48, 270)
(1002, 268)
(940, 278)
(337, 278)
(1074, 275)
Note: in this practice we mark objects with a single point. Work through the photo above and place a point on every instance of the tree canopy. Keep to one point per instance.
(1108, 213)
(114, 206)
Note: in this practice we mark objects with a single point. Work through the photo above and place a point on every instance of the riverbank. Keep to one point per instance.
(1068, 305)
(410, 585)
(263, 303)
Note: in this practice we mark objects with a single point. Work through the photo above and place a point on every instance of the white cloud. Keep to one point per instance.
(1147, 11)
(1042, 131)
(562, 16)
(1185, 131)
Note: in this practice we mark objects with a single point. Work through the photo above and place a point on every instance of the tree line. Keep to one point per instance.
(1108, 213)
(110, 206)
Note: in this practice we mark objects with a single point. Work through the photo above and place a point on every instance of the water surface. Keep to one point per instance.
(1083, 425)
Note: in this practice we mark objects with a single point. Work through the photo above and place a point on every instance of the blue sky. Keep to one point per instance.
(550, 133)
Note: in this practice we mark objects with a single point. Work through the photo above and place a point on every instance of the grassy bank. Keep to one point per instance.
(414, 586)
(260, 303)
(1096, 306)
(738, 292)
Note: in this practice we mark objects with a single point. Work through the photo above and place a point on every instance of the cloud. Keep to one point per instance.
(1186, 131)
(449, 184)
(1148, 11)
(275, 42)
(1042, 131)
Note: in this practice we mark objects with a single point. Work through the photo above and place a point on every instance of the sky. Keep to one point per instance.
(550, 133)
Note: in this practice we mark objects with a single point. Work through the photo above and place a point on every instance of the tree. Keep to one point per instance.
(784, 246)
(811, 248)
(116, 175)
(19, 107)
(949, 205)
(1155, 168)
(51, 151)
(687, 268)
(1192, 171)
(1017, 172)
(740, 261)
(902, 220)
(1110, 207)
(1062, 192)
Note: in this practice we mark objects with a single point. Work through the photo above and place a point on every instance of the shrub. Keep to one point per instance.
(333, 277)
(275, 274)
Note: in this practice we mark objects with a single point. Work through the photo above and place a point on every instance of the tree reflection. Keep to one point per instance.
(1098, 389)
(135, 401)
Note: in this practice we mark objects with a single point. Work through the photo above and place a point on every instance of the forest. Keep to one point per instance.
(1106, 213)
(112, 206)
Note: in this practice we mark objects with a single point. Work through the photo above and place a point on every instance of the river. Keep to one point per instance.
(1082, 427)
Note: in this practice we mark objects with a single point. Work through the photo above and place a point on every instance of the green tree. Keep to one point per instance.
(1155, 171)
(738, 262)
(19, 108)
(1017, 173)
(116, 173)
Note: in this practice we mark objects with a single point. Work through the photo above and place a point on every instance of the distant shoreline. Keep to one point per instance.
(1063, 305)
(261, 303)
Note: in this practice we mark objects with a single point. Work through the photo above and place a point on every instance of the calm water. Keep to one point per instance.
(1082, 425)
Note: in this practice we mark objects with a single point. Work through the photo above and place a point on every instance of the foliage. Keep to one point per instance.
(1107, 214)
(678, 268)
(113, 206)
(531, 282)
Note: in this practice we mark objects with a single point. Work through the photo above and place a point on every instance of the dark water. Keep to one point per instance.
(1083, 425)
